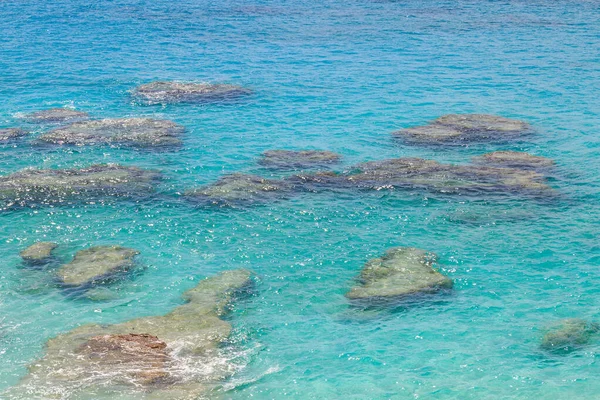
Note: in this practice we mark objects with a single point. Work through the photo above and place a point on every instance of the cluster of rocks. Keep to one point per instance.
(158, 357)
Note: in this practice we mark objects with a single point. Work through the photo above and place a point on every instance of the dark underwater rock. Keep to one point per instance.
(569, 335)
(465, 128)
(187, 92)
(240, 189)
(288, 159)
(514, 159)
(429, 175)
(56, 115)
(138, 132)
(173, 356)
(55, 186)
(401, 272)
(95, 264)
(38, 253)
(7, 134)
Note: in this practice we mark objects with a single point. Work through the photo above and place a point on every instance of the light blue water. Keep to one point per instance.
(338, 76)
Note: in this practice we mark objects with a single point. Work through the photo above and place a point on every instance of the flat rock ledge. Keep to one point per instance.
(38, 253)
(8, 134)
(240, 190)
(568, 335)
(96, 264)
(514, 159)
(56, 186)
(399, 273)
(465, 128)
(164, 92)
(172, 356)
(56, 115)
(301, 159)
(136, 132)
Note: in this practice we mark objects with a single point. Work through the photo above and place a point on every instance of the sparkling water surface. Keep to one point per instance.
(327, 75)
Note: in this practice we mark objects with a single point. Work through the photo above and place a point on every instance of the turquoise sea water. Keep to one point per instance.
(325, 75)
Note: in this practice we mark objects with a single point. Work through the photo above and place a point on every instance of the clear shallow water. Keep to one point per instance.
(339, 77)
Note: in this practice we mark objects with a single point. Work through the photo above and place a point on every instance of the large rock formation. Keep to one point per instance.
(288, 159)
(56, 115)
(139, 132)
(174, 356)
(240, 190)
(179, 92)
(513, 159)
(401, 272)
(569, 335)
(465, 128)
(96, 264)
(56, 186)
(38, 253)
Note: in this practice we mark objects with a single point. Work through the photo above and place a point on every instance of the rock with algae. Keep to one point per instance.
(465, 128)
(163, 92)
(8, 134)
(55, 186)
(38, 253)
(288, 159)
(429, 175)
(569, 335)
(400, 272)
(56, 115)
(96, 264)
(137, 132)
(514, 159)
(240, 190)
(173, 356)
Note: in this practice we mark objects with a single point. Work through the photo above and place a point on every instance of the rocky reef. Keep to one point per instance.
(465, 128)
(56, 115)
(162, 92)
(38, 253)
(96, 264)
(7, 134)
(57, 186)
(288, 159)
(240, 190)
(568, 335)
(137, 132)
(400, 272)
(514, 159)
(173, 356)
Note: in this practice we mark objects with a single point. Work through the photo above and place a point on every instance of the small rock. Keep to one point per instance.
(95, 264)
(402, 271)
(7, 134)
(186, 92)
(288, 159)
(53, 115)
(240, 189)
(513, 159)
(465, 128)
(139, 132)
(569, 335)
(39, 252)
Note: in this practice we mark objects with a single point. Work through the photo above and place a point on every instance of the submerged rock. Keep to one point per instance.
(7, 134)
(240, 189)
(95, 264)
(56, 115)
(401, 272)
(429, 175)
(514, 159)
(464, 128)
(569, 335)
(140, 132)
(174, 356)
(55, 186)
(38, 253)
(288, 159)
(184, 92)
